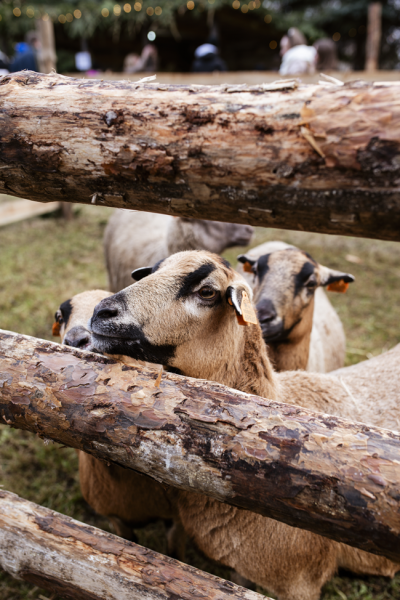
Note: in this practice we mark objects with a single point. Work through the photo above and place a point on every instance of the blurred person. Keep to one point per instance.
(26, 54)
(147, 62)
(207, 59)
(297, 57)
(326, 55)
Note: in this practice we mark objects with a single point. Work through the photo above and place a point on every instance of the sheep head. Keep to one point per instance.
(182, 313)
(72, 317)
(284, 285)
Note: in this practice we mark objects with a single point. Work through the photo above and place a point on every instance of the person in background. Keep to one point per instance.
(326, 55)
(207, 59)
(147, 62)
(26, 54)
(297, 57)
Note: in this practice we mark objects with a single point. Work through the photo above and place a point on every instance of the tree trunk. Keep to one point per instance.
(309, 470)
(311, 157)
(373, 36)
(47, 56)
(81, 562)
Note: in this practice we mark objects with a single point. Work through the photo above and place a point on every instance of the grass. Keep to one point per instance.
(45, 261)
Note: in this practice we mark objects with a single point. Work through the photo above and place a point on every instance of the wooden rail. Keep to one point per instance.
(311, 157)
(309, 470)
(78, 561)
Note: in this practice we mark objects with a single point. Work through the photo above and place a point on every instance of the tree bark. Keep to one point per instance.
(311, 157)
(373, 36)
(81, 562)
(309, 470)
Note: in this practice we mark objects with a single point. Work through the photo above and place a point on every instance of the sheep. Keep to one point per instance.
(186, 312)
(300, 326)
(128, 499)
(136, 239)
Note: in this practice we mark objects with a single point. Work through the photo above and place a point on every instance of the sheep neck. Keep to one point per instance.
(290, 356)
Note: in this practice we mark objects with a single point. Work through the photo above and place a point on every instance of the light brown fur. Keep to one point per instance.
(128, 499)
(292, 563)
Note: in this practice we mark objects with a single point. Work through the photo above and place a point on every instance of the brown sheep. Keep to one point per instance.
(128, 499)
(135, 239)
(300, 326)
(187, 313)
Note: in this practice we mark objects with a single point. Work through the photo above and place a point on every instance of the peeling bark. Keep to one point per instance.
(311, 157)
(310, 470)
(78, 561)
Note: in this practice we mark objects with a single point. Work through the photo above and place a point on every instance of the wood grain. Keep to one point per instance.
(308, 157)
(310, 470)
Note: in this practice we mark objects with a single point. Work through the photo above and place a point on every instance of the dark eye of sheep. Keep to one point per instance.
(207, 293)
(311, 282)
(59, 318)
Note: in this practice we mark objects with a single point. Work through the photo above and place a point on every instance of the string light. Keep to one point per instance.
(30, 12)
(190, 5)
(117, 10)
(336, 36)
(244, 8)
(268, 18)
(150, 11)
(151, 36)
(137, 6)
(252, 5)
(127, 8)
(105, 12)
(273, 45)
(158, 10)
(45, 17)
(69, 17)
(77, 13)
(236, 4)
(62, 18)
(17, 12)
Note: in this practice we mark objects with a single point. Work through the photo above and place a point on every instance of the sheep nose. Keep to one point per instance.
(77, 337)
(106, 313)
(266, 311)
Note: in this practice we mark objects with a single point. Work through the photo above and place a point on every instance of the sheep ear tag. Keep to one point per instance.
(338, 286)
(55, 330)
(247, 267)
(248, 314)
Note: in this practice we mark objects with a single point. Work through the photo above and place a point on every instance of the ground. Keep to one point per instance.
(46, 260)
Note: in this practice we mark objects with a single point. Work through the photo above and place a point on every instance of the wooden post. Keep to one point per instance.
(80, 562)
(373, 36)
(309, 470)
(47, 54)
(317, 158)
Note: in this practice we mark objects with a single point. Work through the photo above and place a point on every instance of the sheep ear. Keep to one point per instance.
(138, 274)
(248, 263)
(55, 330)
(335, 281)
(237, 295)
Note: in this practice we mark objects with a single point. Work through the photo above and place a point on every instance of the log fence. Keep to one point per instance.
(320, 158)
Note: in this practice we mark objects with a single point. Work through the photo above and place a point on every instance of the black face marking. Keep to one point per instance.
(124, 338)
(194, 278)
(309, 257)
(262, 266)
(66, 310)
(299, 280)
(346, 277)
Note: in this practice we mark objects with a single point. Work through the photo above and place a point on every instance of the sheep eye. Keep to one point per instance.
(311, 282)
(59, 318)
(207, 293)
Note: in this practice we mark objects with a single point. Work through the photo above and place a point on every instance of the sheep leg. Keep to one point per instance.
(176, 541)
(123, 530)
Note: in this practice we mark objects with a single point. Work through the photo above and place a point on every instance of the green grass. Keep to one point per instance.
(45, 261)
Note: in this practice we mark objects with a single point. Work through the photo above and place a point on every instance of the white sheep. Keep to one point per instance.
(300, 326)
(186, 314)
(128, 499)
(136, 239)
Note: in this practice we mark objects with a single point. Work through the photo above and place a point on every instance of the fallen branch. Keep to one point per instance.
(77, 561)
(309, 470)
(311, 157)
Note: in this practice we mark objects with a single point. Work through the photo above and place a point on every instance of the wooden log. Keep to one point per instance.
(309, 470)
(18, 210)
(312, 157)
(374, 33)
(81, 562)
